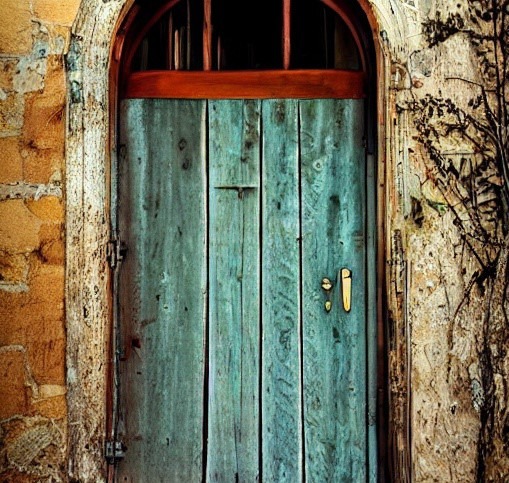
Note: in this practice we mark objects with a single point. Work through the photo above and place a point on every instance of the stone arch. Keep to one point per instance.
(90, 147)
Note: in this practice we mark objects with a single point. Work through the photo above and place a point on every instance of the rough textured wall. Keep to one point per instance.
(450, 174)
(33, 38)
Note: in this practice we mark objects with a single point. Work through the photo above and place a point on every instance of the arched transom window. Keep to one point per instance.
(164, 40)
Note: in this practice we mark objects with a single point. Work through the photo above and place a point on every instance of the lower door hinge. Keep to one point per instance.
(114, 451)
(115, 252)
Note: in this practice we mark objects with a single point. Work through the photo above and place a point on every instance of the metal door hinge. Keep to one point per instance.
(115, 252)
(114, 451)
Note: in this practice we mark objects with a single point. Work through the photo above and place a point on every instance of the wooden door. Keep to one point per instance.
(233, 211)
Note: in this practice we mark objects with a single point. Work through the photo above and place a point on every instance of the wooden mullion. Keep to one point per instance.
(169, 47)
(207, 35)
(188, 36)
(286, 34)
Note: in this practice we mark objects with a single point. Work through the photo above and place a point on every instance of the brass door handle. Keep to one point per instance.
(346, 288)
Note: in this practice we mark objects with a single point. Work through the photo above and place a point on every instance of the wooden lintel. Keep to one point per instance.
(277, 84)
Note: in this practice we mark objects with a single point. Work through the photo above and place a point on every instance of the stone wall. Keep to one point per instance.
(34, 36)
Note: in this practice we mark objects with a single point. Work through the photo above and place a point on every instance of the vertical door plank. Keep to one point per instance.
(281, 395)
(163, 288)
(234, 316)
(371, 315)
(333, 198)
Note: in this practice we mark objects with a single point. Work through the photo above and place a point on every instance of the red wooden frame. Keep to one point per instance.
(255, 84)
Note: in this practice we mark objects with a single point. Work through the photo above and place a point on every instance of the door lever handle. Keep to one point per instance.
(346, 288)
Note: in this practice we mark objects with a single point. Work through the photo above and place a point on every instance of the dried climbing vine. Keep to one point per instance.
(475, 187)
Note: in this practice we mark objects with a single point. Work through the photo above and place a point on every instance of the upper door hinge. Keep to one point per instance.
(114, 451)
(115, 252)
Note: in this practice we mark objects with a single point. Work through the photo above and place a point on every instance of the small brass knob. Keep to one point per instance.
(326, 284)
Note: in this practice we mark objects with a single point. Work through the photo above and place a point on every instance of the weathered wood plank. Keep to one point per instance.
(281, 391)
(333, 228)
(234, 315)
(371, 313)
(87, 210)
(163, 287)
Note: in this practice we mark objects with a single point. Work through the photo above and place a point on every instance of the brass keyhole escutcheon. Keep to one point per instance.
(327, 287)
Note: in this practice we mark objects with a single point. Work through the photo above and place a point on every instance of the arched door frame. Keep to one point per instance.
(92, 68)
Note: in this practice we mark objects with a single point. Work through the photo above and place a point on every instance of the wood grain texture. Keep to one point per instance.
(275, 84)
(284, 193)
(163, 282)
(234, 316)
(207, 35)
(372, 309)
(281, 389)
(332, 156)
(87, 211)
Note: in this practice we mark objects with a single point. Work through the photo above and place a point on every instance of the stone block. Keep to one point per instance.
(54, 407)
(44, 128)
(35, 319)
(19, 228)
(62, 12)
(42, 166)
(11, 114)
(47, 354)
(45, 334)
(15, 27)
(12, 317)
(46, 284)
(44, 112)
(13, 267)
(11, 161)
(48, 208)
(15, 394)
(26, 315)
(52, 243)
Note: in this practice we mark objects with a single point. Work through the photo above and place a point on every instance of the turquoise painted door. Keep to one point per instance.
(233, 211)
